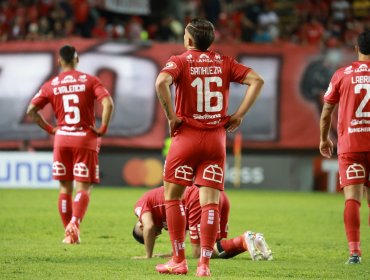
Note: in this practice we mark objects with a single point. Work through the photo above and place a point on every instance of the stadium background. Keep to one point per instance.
(295, 45)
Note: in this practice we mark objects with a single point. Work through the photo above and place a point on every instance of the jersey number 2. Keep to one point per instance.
(359, 112)
(204, 94)
(69, 102)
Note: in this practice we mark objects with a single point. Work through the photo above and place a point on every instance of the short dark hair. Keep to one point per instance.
(202, 31)
(67, 53)
(137, 237)
(363, 42)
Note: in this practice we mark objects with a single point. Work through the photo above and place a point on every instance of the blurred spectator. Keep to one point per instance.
(268, 22)
(312, 32)
(340, 10)
(361, 9)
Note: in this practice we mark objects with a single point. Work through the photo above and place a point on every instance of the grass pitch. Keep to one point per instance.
(304, 230)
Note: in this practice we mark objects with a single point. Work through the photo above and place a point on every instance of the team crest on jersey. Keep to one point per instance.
(184, 172)
(328, 91)
(68, 79)
(55, 81)
(348, 70)
(218, 58)
(82, 78)
(170, 65)
(355, 171)
(213, 173)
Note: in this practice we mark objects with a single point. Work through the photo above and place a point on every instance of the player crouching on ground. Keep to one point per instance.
(72, 95)
(150, 210)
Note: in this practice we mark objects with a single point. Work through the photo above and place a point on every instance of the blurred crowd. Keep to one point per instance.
(329, 23)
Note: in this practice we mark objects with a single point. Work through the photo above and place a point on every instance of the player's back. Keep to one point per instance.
(350, 87)
(202, 82)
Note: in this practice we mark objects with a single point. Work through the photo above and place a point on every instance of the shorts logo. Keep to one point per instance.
(355, 171)
(213, 173)
(80, 169)
(97, 172)
(184, 172)
(59, 169)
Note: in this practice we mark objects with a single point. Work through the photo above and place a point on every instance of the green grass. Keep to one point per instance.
(304, 230)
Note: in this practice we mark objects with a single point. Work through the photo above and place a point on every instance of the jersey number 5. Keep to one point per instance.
(359, 112)
(68, 103)
(204, 94)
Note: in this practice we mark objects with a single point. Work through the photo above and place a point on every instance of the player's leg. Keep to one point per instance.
(63, 172)
(81, 201)
(65, 201)
(176, 224)
(367, 191)
(209, 225)
(353, 197)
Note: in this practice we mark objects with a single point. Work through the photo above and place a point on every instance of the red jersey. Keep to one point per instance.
(202, 80)
(72, 95)
(350, 87)
(153, 202)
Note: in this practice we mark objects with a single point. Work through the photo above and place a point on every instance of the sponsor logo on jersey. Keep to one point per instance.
(55, 81)
(328, 91)
(170, 65)
(59, 169)
(213, 173)
(355, 171)
(189, 58)
(68, 79)
(355, 122)
(362, 68)
(204, 58)
(218, 58)
(184, 172)
(80, 169)
(82, 78)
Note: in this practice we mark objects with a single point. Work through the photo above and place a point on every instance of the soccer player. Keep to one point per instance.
(151, 213)
(77, 141)
(350, 88)
(198, 129)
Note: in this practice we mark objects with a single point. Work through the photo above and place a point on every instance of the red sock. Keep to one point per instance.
(176, 223)
(80, 204)
(209, 225)
(232, 247)
(65, 207)
(352, 225)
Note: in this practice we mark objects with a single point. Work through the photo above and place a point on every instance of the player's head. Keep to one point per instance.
(199, 33)
(137, 233)
(68, 56)
(363, 43)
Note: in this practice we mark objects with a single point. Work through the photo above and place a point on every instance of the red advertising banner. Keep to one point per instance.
(286, 116)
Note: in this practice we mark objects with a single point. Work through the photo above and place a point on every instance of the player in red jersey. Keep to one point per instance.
(198, 130)
(77, 141)
(151, 212)
(350, 88)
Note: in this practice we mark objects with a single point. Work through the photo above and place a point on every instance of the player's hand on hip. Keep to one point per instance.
(100, 131)
(173, 124)
(326, 148)
(233, 123)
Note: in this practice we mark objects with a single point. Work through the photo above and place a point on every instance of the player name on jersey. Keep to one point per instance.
(360, 79)
(69, 89)
(211, 70)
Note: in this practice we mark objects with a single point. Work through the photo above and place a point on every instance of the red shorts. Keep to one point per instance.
(354, 168)
(197, 156)
(76, 164)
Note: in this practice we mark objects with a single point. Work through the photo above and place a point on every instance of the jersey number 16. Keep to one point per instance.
(204, 94)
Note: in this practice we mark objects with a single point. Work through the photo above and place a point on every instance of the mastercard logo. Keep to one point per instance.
(143, 172)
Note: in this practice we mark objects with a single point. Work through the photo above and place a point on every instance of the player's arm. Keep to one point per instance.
(108, 107)
(33, 112)
(162, 86)
(255, 83)
(326, 145)
(149, 233)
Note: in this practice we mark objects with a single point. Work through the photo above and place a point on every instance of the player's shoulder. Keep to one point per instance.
(354, 68)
